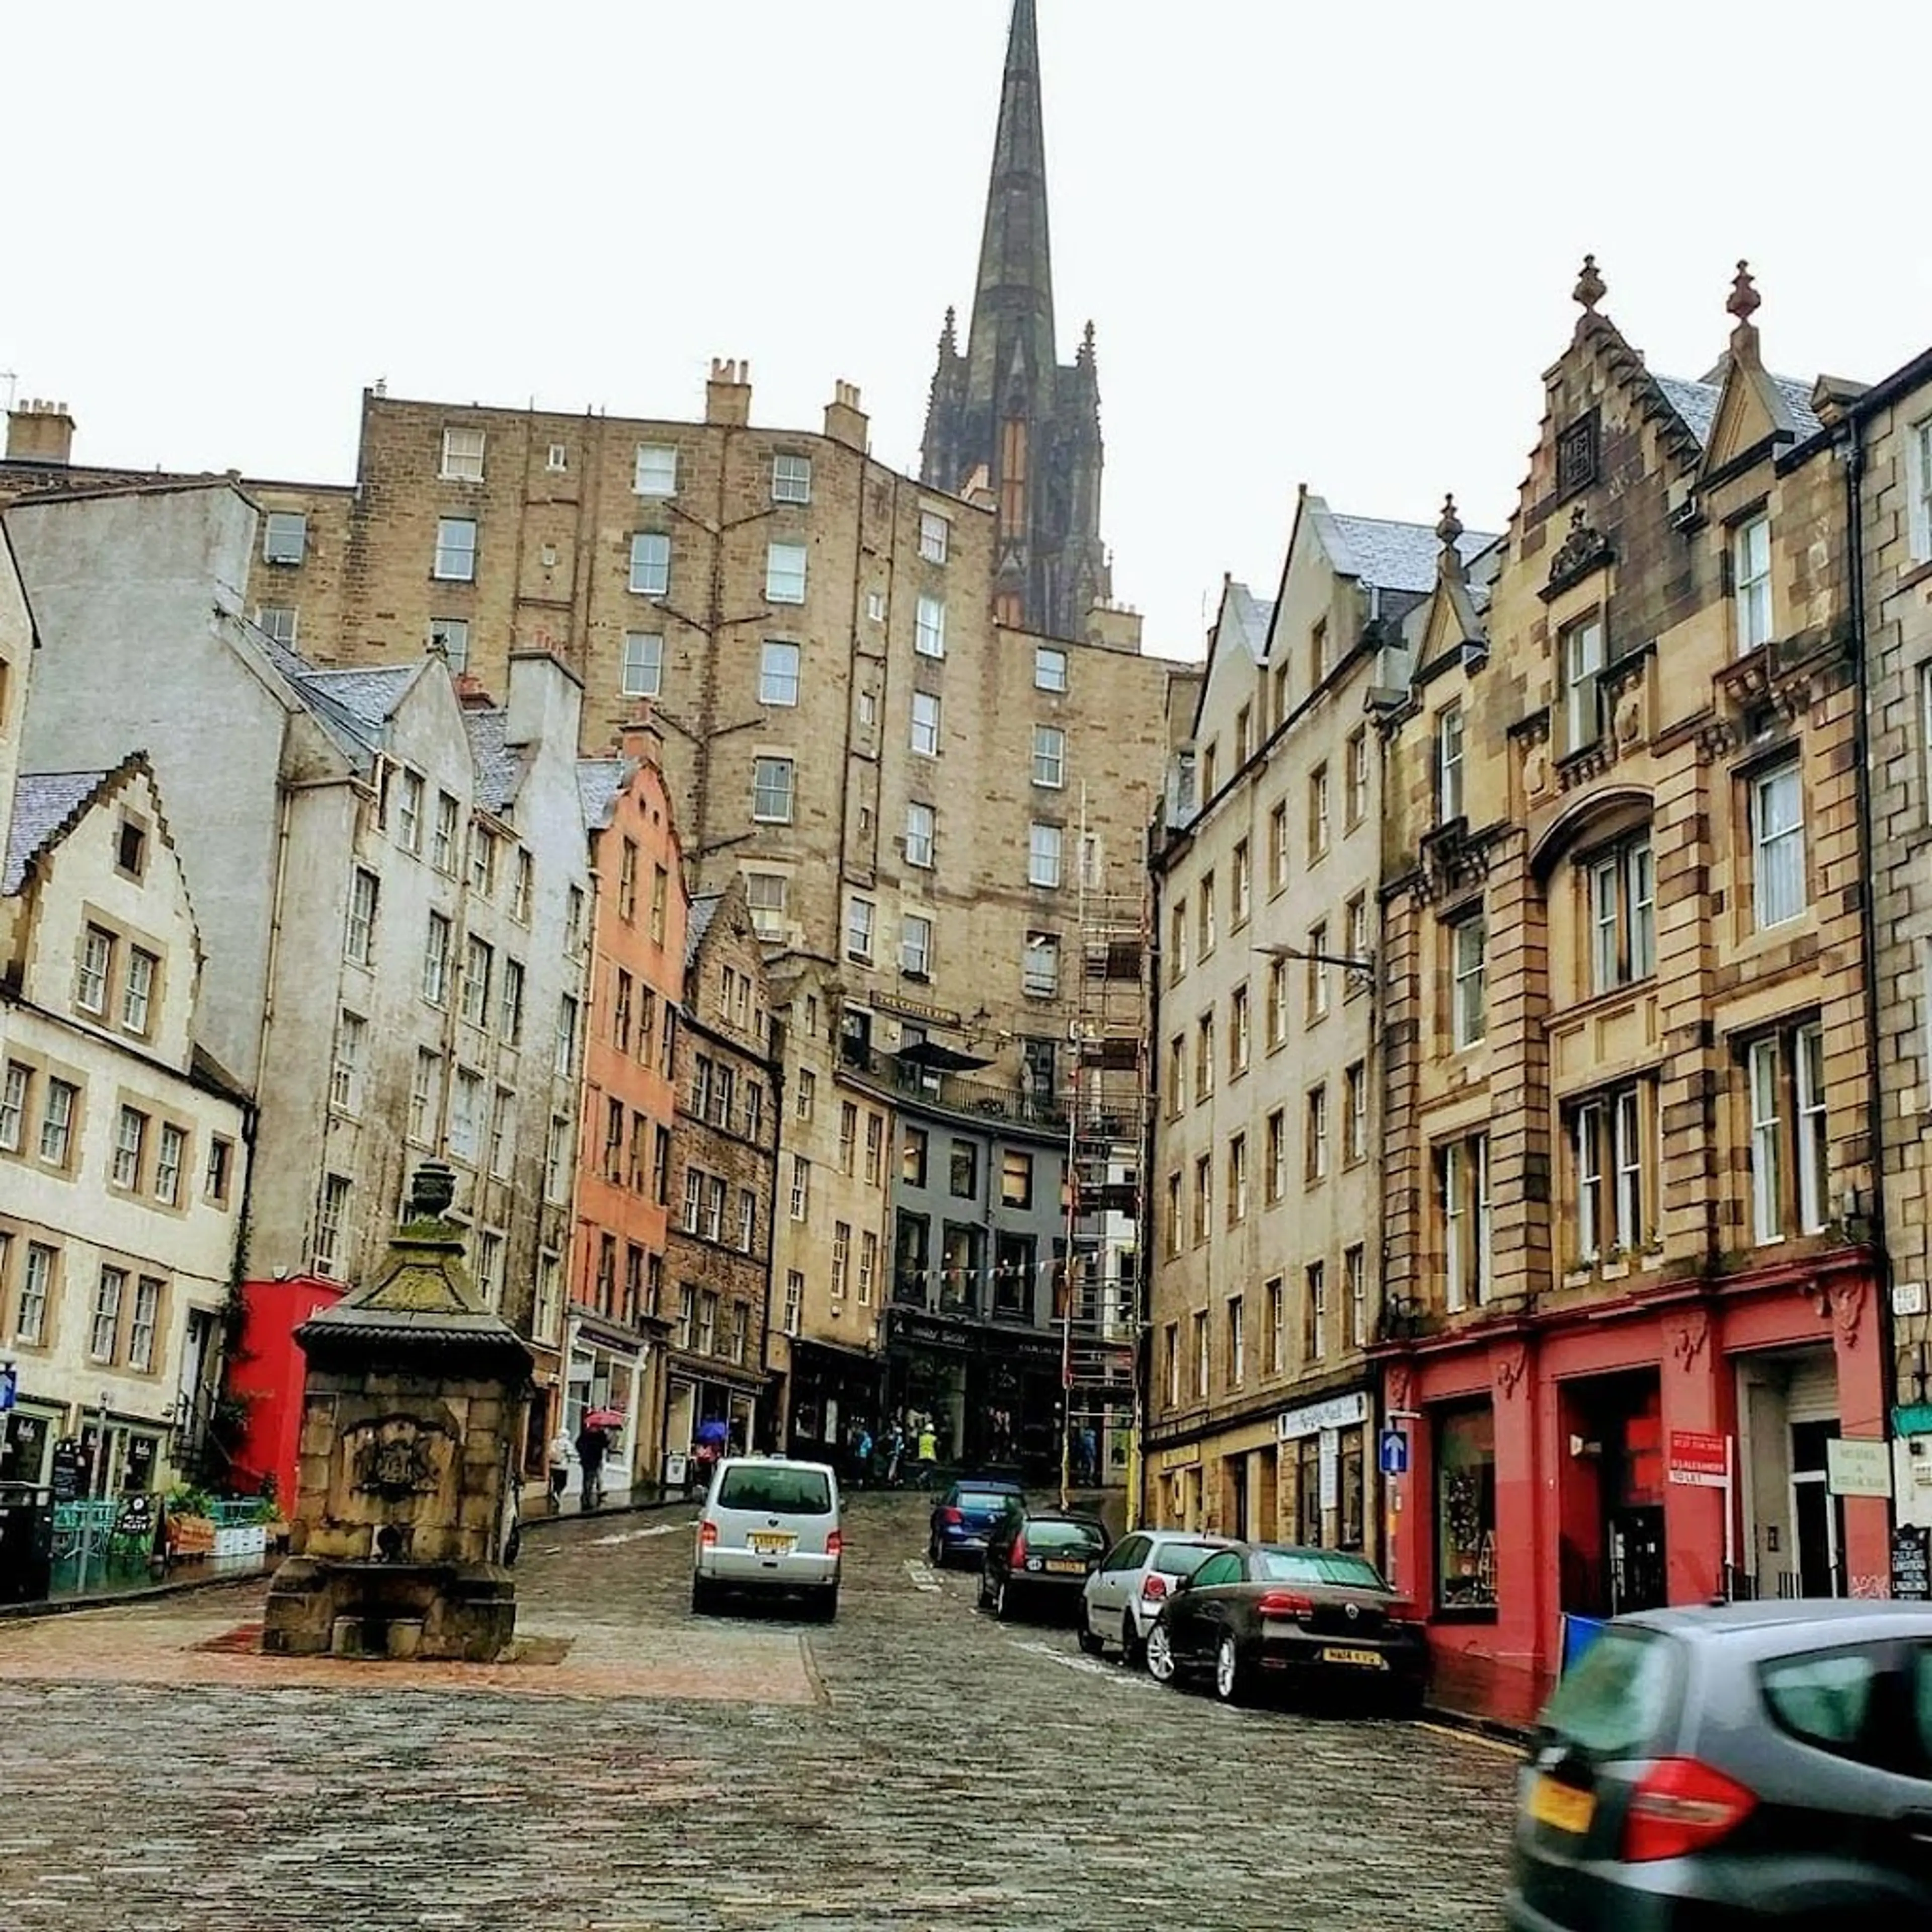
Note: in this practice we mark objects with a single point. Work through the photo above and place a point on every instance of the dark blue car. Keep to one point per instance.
(966, 1515)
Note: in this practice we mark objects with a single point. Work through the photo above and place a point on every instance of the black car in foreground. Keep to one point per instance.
(1707, 1770)
(1261, 1615)
(1038, 1560)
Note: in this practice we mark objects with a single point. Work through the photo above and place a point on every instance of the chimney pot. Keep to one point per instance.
(39, 431)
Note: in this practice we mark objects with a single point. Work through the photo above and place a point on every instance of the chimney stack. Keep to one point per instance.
(845, 421)
(639, 740)
(727, 396)
(40, 432)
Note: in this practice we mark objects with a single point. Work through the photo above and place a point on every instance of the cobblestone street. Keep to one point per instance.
(914, 1765)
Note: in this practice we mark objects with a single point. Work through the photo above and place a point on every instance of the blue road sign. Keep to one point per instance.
(1394, 1452)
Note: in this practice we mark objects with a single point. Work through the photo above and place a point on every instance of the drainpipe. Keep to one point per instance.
(1854, 460)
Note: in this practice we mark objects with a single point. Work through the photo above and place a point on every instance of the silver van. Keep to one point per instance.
(772, 1524)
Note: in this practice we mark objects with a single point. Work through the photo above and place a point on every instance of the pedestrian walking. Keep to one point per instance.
(559, 1466)
(895, 1453)
(591, 1445)
(861, 1457)
(1090, 1455)
(928, 1454)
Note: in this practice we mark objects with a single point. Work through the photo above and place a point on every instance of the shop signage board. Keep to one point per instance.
(1339, 1411)
(1700, 1459)
(1329, 1467)
(1912, 1564)
(1853, 1468)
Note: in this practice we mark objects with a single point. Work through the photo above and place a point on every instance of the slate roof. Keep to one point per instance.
(500, 770)
(1392, 556)
(353, 706)
(1696, 404)
(1248, 617)
(44, 803)
(599, 782)
(704, 911)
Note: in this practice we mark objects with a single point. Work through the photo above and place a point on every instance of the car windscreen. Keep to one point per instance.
(1618, 1697)
(780, 1491)
(1182, 1559)
(988, 1499)
(1050, 1535)
(1318, 1566)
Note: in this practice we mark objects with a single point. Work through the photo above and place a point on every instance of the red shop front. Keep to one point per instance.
(1595, 1457)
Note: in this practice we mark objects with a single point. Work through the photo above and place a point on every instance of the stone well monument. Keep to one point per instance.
(413, 1416)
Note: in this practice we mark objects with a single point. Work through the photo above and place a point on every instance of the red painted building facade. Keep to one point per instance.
(1632, 1298)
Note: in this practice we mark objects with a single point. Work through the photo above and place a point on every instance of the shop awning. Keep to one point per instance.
(938, 1059)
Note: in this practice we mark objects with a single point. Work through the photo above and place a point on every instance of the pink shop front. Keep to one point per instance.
(1597, 1458)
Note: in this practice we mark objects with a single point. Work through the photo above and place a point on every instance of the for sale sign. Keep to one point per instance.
(1699, 1459)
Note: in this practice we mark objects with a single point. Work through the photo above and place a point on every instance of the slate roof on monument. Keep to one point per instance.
(600, 782)
(703, 910)
(1696, 404)
(500, 770)
(1251, 617)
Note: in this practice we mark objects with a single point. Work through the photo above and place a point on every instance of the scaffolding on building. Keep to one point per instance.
(1102, 1312)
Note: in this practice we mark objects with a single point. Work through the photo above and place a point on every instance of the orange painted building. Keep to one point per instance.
(616, 1326)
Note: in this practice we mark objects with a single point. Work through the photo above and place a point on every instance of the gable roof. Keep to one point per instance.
(47, 805)
(498, 769)
(703, 910)
(1248, 617)
(354, 706)
(1696, 404)
(1391, 555)
(599, 783)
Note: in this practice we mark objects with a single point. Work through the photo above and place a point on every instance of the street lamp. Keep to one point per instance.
(1360, 966)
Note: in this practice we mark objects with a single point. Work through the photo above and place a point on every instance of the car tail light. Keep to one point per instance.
(834, 1543)
(1680, 1805)
(707, 1534)
(951, 1517)
(1019, 1553)
(1155, 1587)
(1285, 1604)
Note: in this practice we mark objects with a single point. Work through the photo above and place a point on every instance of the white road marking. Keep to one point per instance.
(1087, 1667)
(638, 1535)
(922, 1578)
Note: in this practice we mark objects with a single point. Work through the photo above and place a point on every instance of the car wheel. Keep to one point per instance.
(1159, 1654)
(1231, 1680)
(1003, 1605)
(935, 1557)
(825, 1602)
(1133, 1650)
(703, 1597)
(1090, 1639)
(985, 1598)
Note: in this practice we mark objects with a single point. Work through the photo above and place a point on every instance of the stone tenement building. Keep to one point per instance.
(1005, 414)
(1629, 1152)
(1884, 434)
(1267, 1281)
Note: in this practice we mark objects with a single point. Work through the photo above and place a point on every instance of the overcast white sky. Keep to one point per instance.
(1325, 244)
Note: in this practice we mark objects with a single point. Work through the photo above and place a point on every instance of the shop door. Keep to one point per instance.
(1635, 1540)
(1236, 1467)
(1816, 1514)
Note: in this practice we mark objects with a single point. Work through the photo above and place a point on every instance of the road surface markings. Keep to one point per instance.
(1463, 1737)
(922, 1578)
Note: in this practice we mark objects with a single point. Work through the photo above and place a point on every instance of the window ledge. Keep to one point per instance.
(1914, 575)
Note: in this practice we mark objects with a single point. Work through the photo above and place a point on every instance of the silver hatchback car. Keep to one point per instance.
(1135, 1577)
(769, 1524)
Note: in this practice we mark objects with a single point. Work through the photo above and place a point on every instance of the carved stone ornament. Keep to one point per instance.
(1401, 1387)
(1689, 1336)
(1582, 550)
(395, 1459)
(1536, 771)
(1848, 1309)
(1589, 289)
(1512, 1365)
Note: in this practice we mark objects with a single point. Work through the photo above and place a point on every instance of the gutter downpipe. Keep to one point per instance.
(1854, 538)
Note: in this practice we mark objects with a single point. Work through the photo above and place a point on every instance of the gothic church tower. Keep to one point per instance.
(1007, 406)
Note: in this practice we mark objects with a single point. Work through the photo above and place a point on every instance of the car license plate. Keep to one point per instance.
(765, 1543)
(1061, 1568)
(1362, 1659)
(1562, 1806)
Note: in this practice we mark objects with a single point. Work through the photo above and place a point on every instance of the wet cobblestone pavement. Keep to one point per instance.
(914, 1765)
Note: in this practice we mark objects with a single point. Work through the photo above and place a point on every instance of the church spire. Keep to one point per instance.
(1014, 296)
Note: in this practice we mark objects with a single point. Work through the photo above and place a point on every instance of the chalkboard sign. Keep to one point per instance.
(1911, 1570)
(136, 1518)
(69, 1462)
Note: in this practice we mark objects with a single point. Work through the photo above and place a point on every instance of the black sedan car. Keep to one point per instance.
(1258, 1614)
(965, 1516)
(1039, 1560)
(1738, 1764)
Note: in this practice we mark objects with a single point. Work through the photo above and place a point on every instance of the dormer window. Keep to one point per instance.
(1449, 764)
(131, 848)
(1581, 646)
(1750, 579)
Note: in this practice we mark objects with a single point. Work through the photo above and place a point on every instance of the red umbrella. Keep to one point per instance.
(604, 1418)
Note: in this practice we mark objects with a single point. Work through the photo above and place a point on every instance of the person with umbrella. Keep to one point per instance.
(593, 1444)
